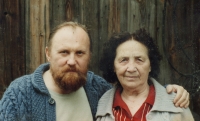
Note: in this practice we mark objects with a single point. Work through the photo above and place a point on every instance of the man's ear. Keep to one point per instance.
(47, 52)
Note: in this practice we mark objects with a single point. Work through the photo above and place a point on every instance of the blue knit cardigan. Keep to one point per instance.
(28, 99)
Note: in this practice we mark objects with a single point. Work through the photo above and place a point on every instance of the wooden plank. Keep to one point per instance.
(141, 14)
(103, 22)
(39, 30)
(133, 15)
(151, 21)
(77, 11)
(57, 12)
(165, 70)
(102, 27)
(69, 8)
(114, 17)
(27, 36)
(91, 20)
(11, 42)
(124, 15)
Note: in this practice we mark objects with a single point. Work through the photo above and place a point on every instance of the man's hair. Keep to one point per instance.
(109, 53)
(67, 24)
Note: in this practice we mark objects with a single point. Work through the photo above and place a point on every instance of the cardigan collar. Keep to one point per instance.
(37, 78)
(163, 100)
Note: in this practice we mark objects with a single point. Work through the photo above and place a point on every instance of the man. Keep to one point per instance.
(62, 89)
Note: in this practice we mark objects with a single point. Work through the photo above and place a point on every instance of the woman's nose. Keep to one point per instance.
(131, 67)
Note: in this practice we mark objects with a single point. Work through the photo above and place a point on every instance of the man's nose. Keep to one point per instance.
(71, 60)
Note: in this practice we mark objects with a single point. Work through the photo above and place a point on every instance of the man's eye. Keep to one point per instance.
(79, 53)
(64, 52)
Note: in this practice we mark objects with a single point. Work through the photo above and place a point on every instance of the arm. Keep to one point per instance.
(182, 97)
(7, 106)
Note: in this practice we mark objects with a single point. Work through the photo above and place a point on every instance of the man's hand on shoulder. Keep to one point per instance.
(182, 97)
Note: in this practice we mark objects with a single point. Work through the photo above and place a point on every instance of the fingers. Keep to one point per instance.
(187, 104)
(181, 94)
(181, 99)
(169, 88)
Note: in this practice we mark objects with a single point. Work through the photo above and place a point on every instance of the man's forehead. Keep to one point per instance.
(67, 29)
(70, 31)
(70, 34)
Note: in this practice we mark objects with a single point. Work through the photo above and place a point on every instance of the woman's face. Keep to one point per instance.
(132, 65)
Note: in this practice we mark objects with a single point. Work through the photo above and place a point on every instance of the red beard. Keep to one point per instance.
(69, 79)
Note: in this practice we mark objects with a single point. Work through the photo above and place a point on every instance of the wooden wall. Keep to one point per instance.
(12, 41)
(175, 24)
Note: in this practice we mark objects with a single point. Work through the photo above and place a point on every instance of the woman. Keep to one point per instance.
(131, 62)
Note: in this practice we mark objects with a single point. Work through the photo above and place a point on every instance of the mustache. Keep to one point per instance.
(70, 69)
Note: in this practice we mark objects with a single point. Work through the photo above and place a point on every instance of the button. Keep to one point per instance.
(165, 116)
(149, 117)
(51, 101)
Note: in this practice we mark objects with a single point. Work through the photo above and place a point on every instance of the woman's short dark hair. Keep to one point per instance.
(109, 53)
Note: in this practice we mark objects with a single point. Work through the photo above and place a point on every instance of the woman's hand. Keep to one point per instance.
(182, 97)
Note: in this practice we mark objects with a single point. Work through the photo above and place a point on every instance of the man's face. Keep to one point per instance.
(69, 57)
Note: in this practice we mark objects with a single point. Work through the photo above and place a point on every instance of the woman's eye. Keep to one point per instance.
(139, 59)
(123, 60)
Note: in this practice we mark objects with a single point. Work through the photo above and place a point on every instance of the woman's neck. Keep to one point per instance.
(134, 99)
(133, 94)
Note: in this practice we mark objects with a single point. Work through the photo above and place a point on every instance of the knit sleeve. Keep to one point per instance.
(14, 101)
(8, 106)
(101, 85)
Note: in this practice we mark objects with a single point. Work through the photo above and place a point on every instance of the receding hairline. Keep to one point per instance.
(74, 25)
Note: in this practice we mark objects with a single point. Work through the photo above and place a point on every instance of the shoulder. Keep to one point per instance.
(163, 100)
(17, 87)
(105, 104)
(164, 103)
(20, 84)
(108, 96)
(14, 97)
